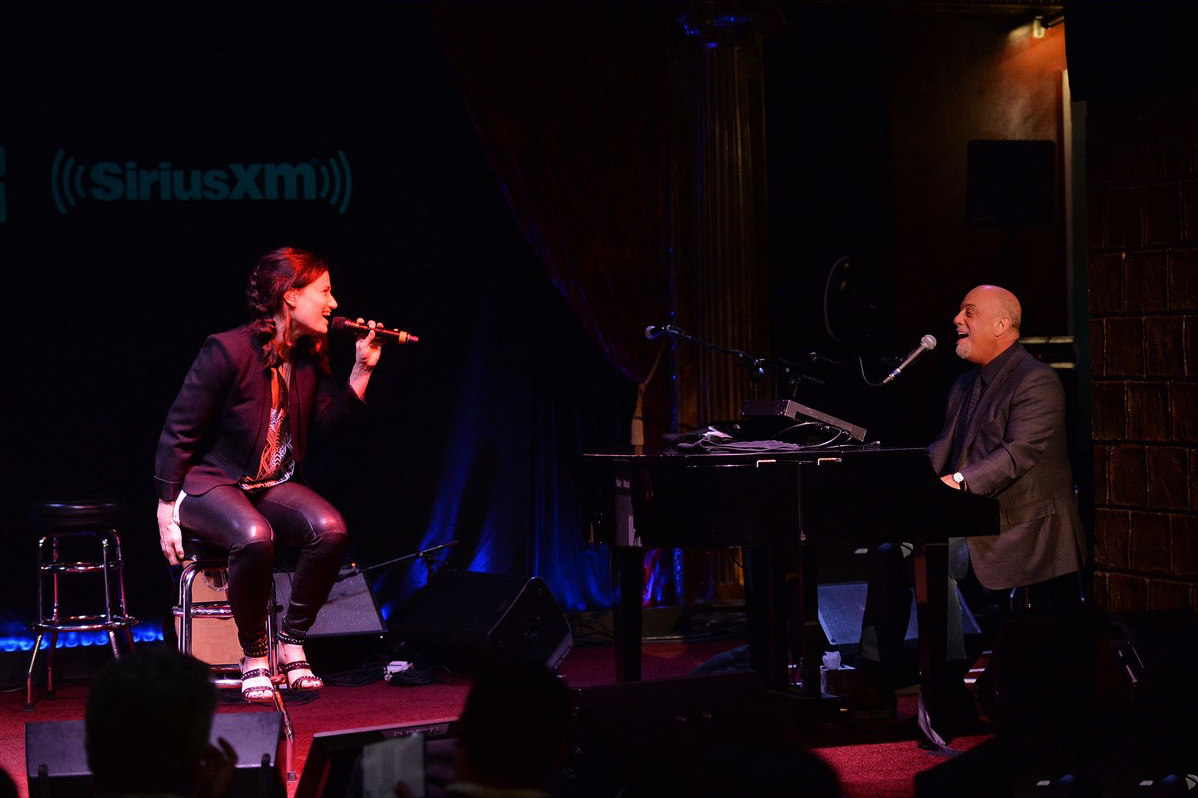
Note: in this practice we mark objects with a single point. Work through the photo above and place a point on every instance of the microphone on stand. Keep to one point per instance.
(381, 334)
(926, 344)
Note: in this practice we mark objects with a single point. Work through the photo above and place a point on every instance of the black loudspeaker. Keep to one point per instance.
(842, 605)
(1011, 183)
(331, 766)
(467, 621)
(701, 736)
(56, 760)
(350, 609)
(349, 629)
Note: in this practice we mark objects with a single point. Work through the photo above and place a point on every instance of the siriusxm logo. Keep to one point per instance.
(108, 181)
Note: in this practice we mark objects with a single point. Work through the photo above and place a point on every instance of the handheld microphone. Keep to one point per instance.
(653, 333)
(926, 344)
(381, 334)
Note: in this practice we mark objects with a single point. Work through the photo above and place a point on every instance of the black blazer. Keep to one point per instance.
(216, 428)
(1015, 450)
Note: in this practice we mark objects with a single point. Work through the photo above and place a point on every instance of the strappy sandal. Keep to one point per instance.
(256, 685)
(305, 681)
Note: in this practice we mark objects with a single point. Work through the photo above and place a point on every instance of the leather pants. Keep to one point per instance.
(247, 525)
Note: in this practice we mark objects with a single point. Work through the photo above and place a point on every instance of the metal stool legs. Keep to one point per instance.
(187, 610)
(52, 565)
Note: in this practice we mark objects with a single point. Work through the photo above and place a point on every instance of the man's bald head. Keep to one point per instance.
(987, 324)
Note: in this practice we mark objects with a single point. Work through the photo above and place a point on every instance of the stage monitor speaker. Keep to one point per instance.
(1011, 183)
(331, 765)
(350, 609)
(842, 605)
(467, 621)
(699, 736)
(56, 759)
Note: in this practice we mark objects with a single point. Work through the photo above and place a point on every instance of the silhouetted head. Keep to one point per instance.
(148, 718)
(512, 733)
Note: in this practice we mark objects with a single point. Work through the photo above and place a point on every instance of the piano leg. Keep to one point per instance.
(768, 616)
(931, 607)
(813, 640)
(628, 583)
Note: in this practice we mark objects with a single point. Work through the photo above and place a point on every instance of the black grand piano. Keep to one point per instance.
(779, 506)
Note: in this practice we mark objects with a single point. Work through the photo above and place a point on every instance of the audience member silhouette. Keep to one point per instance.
(148, 720)
(512, 732)
(8, 787)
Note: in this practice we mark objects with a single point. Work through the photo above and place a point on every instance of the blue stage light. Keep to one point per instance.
(142, 633)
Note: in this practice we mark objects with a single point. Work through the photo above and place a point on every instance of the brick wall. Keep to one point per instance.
(1142, 169)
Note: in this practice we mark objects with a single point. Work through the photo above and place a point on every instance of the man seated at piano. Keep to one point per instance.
(1004, 436)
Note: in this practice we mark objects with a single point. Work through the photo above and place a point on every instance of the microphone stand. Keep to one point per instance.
(757, 366)
(785, 371)
(425, 554)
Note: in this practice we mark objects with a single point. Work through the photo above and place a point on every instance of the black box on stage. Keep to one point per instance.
(467, 621)
(842, 606)
(348, 630)
(56, 759)
(350, 609)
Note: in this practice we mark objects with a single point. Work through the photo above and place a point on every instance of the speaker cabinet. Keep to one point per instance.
(467, 621)
(842, 605)
(56, 759)
(350, 609)
(1011, 183)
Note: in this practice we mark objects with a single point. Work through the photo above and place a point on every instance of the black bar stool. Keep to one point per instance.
(79, 537)
(212, 562)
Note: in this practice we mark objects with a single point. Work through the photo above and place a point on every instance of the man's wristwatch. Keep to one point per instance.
(959, 478)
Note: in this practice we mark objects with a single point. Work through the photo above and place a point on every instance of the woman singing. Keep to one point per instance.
(230, 461)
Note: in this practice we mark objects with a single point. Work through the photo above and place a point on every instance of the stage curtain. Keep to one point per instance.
(570, 102)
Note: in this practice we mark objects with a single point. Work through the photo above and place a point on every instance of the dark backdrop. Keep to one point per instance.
(110, 297)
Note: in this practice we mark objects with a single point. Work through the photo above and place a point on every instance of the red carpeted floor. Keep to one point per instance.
(873, 761)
